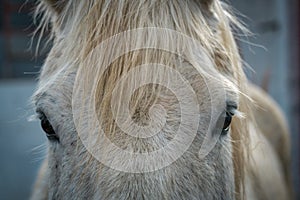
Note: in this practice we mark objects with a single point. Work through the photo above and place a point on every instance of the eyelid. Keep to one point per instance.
(232, 108)
(235, 112)
(231, 104)
(231, 112)
(40, 114)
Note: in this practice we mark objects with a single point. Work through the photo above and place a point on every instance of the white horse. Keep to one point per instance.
(148, 100)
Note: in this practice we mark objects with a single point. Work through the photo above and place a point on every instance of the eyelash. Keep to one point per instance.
(227, 121)
(47, 127)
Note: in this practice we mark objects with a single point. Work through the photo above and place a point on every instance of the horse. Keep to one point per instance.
(148, 100)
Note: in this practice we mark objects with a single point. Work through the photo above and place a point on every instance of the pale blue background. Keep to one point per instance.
(22, 143)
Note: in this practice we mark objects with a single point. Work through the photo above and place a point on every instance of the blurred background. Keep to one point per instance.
(272, 52)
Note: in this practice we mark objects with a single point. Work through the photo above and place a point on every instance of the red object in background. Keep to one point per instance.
(15, 37)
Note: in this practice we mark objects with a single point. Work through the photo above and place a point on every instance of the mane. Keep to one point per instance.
(85, 24)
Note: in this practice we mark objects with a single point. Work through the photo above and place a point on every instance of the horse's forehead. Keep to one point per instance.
(59, 82)
(58, 77)
(56, 84)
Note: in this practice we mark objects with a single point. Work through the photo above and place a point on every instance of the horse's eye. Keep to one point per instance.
(227, 122)
(48, 129)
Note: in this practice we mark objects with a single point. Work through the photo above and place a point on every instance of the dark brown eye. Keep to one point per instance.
(227, 122)
(48, 129)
